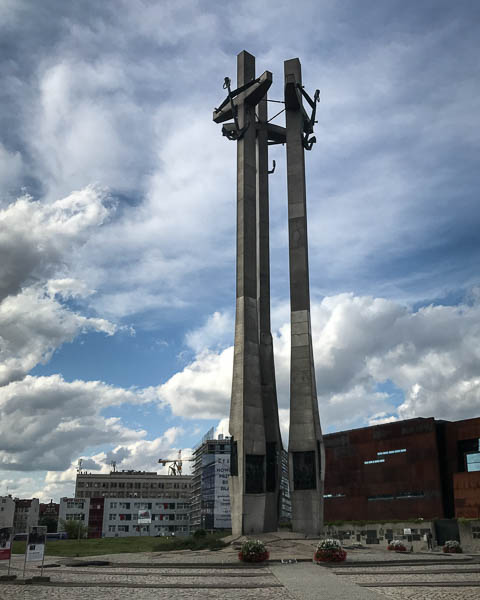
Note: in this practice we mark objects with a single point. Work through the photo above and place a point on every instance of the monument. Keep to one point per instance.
(306, 452)
(254, 424)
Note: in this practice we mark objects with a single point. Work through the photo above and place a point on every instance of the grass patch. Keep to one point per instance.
(96, 547)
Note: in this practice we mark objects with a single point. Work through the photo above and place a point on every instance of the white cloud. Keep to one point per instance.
(37, 239)
(140, 455)
(48, 422)
(33, 325)
(202, 389)
(432, 355)
(214, 334)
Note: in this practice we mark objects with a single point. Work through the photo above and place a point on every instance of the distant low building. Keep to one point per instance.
(7, 511)
(48, 515)
(73, 509)
(132, 484)
(26, 514)
(115, 500)
(146, 516)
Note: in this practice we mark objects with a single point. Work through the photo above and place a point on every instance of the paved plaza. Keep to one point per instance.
(368, 574)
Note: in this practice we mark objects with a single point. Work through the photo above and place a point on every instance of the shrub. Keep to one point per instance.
(452, 546)
(75, 529)
(329, 550)
(253, 551)
(397, 546)
(199, 533)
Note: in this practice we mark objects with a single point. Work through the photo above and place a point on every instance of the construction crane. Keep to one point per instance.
(175, 468)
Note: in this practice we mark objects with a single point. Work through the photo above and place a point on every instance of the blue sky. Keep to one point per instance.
(117, 221)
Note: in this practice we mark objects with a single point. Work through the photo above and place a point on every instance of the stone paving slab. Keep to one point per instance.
(466, 593)
(308, 581)
(35, 592)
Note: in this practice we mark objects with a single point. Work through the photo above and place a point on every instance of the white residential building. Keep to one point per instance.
(7, 511)
(73, 509)
(168, 517)
(26, 514)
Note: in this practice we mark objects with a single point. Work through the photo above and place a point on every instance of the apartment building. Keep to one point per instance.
(73, 509)
(26, 514)
(129, 517)
(113, 502)
(7, 511)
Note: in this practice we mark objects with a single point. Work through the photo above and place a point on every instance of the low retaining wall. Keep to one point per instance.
(413, 534)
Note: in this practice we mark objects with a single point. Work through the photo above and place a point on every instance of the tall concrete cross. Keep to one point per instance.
(305, 446)
(256, 443)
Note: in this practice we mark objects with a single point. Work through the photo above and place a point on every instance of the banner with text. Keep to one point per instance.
(221, 513)
(6, 540)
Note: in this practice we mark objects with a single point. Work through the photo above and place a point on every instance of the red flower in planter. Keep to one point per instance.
(397, 546)
(254, 557)
(253, 551)
(337, 555)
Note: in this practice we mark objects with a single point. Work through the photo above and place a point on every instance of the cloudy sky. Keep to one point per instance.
(117, 221)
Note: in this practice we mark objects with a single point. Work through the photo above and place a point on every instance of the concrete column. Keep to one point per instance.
(305, 447)
(247, 482)
(267, 364)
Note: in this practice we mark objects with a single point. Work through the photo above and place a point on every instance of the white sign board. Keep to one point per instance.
(36, 540)
(221, 515)
(144, 517)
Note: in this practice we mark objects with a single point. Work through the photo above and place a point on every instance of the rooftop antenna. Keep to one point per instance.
(114, 465)
(79, 465)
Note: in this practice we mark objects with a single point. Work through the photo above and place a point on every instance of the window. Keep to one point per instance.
(125, 517)
(334, 495)
(123, 528)
(124, 505)
(113, 505)
(402, 495)
(372, 462)
(381, 497)
(392, 452)
(473, 461)
(112, 517)
(111, 528)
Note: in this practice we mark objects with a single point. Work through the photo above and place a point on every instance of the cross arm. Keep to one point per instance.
(250, 93)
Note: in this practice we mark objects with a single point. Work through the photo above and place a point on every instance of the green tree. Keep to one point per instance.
(74, 529)
(49, 522)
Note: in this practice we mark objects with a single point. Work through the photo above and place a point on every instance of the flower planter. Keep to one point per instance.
(397, 546)
(254, 557)
(452, 547)
(338, 555)
(253, 551)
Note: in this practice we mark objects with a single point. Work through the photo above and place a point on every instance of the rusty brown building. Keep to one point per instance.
(418, 468)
